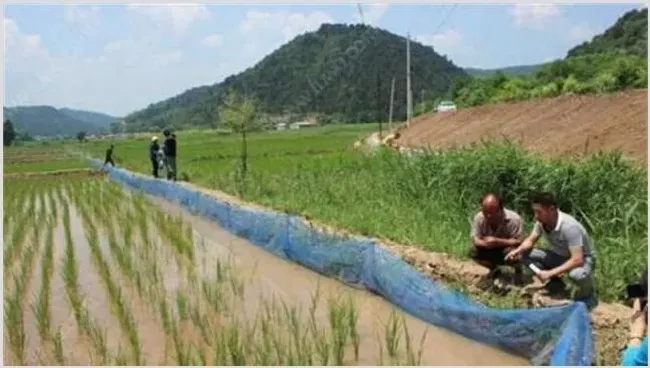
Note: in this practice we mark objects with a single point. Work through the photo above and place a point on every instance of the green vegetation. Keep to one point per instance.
(8, 133)
(613, 61)
(204, 156)
(341, 73)
(600, 73)
(628, 35)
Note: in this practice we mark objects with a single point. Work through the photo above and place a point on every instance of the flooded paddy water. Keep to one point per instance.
(100, 276)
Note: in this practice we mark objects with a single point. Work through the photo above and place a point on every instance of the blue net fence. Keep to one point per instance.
(546, 336)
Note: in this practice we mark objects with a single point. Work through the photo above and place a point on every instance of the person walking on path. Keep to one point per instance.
(169, 148)
(109, 156)
(154, 148)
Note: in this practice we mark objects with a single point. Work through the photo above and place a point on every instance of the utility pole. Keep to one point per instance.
(392, 98)
(408, 81)
(379, 114)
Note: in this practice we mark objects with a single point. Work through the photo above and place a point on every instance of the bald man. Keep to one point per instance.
(495, 232)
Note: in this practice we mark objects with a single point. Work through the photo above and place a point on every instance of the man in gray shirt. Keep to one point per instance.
(571, 249)
(495, 232)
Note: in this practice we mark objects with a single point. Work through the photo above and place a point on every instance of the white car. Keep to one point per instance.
(445, 106)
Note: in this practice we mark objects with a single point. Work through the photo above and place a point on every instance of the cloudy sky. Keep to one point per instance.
(120, 58)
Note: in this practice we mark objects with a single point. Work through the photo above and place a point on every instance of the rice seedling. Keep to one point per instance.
(14, 323)
(115, 294)
(42, 309)
(57, 343)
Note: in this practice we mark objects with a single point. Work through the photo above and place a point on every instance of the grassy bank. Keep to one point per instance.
(427, 201)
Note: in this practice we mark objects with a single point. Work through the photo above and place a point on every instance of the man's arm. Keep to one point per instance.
(476, 234)
(516, 235)
(528, 243)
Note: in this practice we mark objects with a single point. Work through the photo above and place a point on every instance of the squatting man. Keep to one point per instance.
(497, 239)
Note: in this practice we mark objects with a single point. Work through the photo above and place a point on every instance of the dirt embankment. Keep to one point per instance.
(576, 124)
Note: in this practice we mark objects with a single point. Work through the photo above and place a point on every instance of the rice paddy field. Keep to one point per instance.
(39, 158)
(96, 275)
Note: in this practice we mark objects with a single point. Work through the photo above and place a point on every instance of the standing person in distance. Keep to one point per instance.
(169, 147)
(154, 147)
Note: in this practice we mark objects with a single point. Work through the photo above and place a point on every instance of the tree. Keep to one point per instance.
(240, 113)
(8, 133)
(81, 136)
(116, 127)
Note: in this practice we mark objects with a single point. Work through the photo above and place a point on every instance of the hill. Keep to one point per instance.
(49, 121)
(508, 71)
(342, 72)
(97, 119)
(612, 61)
(555, 126)
(628, 35)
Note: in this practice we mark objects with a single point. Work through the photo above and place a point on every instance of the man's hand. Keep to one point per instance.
(637, 324)
(490, 240)
(512, 255)
(545, 275)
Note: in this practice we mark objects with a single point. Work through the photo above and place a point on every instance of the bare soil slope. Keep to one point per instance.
(555, 126)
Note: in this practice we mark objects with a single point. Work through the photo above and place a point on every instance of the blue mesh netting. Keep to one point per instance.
(546, 336)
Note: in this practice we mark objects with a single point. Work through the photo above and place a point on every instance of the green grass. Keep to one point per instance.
(272, 151)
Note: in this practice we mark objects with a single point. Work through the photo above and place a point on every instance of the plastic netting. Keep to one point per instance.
(546, 336)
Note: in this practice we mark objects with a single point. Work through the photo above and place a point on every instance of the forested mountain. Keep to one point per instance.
(628, 35)
(97, 119)
(612, 61)
(49, 121)
(341, 72)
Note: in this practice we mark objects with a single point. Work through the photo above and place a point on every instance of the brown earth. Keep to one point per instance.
(566, 125)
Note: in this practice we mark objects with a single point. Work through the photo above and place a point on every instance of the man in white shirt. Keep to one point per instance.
(571, 249)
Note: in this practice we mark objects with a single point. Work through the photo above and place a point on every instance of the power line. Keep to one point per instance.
(444, 20)
(361, 13)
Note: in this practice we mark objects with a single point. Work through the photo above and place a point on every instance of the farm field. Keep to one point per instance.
(209, 155)
(39, 158)
(95, 275)
(424, 202)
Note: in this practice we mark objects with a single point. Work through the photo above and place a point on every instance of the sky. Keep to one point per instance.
(120, 58)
